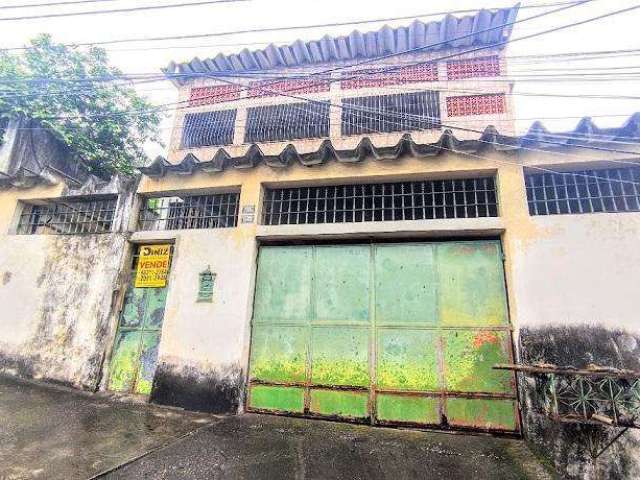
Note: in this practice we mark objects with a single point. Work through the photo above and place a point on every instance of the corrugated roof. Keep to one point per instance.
(357, 45)
(585, 134)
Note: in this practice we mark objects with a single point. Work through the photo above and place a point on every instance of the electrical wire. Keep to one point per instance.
(119, 10)
(53, 4)
(300, 27)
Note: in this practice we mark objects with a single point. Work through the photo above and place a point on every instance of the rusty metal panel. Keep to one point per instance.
(405, 284)
(469, 357)
(279, 354)
(471, 284)
(347, 404)
(133, 310)
(341, 283)
(408, 409)
(153, 314)
(283, 289)
(285, 399)
(408, 359)
(395, 333)
(135, 353)
(124, 362)
(148, 362)
(481, 413)
(340, 356)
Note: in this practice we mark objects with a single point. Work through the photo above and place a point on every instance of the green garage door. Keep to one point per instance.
(386, 333)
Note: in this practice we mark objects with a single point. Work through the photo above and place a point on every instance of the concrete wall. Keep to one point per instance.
(203, 350)
(58, 293)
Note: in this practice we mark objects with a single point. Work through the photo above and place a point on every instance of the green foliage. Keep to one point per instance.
(104, 124)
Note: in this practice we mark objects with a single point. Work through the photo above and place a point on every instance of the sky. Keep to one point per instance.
(615, 33)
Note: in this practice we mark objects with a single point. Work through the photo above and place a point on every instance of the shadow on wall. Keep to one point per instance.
(572, 447)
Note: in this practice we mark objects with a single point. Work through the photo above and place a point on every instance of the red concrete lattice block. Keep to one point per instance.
(476, 104)
(294, 87)
(473, 68)
(376, 78)
(208, 95)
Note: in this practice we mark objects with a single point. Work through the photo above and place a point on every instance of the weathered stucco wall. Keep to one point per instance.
(203, 350)
(58, 292)
(573, 284)
(577, 288)
(56, 295)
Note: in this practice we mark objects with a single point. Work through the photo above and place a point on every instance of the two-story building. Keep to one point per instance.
(347, 228)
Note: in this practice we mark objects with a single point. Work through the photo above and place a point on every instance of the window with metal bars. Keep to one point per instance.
(422, 200)
(181, 212)
(67, 216)
(208, 128)
(276, 123)
(584, 191)
(391, 113)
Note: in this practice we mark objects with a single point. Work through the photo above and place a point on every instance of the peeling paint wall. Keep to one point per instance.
(202, 351)
(574, 283)
(58, 292)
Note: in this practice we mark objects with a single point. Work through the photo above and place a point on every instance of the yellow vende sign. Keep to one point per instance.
(153, 266)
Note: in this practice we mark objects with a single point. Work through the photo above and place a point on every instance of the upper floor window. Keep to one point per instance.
(182, 212)
(391, 113)
(473, 68)
(276, 123)
(584, 191)
(208, 128)
(67, 216)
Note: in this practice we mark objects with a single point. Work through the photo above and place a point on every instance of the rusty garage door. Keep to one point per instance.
(385, 333)
(135, 352)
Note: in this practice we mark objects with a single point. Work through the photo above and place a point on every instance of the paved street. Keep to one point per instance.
(55, 433)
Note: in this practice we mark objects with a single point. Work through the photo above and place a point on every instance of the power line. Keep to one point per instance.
(53, 4)
(437, 59)
(295, 27)
(119, 10)
(412, 50)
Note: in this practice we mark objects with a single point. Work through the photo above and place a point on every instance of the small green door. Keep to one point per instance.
(386, 333)
(135, 353)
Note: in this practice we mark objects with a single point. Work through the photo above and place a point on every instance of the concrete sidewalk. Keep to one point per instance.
(56, 433)
(51, 432)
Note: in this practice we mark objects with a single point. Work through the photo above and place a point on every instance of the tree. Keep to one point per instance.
(82, 100)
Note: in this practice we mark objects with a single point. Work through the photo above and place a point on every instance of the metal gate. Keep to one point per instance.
(384, 333)
(135, 353)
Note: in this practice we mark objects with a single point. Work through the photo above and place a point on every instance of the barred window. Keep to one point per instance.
(276, 123)
(584, 191)
(391, 113)
(423, 200)
(208, 128)
(182, 212)
(67, 216)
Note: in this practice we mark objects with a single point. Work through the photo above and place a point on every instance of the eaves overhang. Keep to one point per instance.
(538, 138)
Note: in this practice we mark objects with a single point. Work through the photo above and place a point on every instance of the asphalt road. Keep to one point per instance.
(53, 433)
